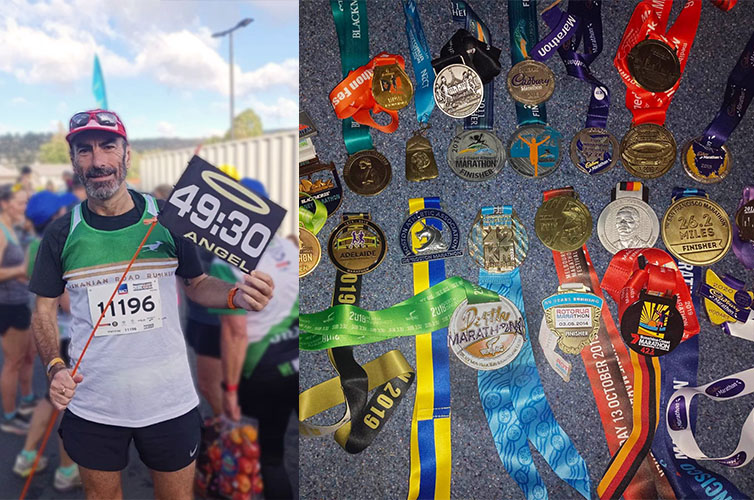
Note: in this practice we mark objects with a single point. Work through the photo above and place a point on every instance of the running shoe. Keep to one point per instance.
(27, 408)
(23, 465)
(66, 482)
(15, 425)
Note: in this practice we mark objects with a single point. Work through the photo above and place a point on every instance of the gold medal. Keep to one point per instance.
(648, 150)
(563, 223)
(357, 245)
(573, 314)
(531, 82)
(420, 160)
(391, 87)
(696, 230)
(309, 252)
(367, 172)
(706, 165)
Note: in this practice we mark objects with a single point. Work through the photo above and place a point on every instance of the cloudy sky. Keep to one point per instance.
(164, 73)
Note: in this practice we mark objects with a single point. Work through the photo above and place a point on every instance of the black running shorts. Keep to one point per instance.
(165, 447)
(15, 316)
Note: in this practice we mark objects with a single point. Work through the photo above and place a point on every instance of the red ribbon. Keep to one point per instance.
(352, 98)
(624, 280)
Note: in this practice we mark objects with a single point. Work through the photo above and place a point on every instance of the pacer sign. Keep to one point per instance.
(221, 216)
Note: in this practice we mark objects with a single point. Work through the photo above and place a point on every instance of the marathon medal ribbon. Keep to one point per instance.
(607, 364)
(534, 149)
(420, 159)
(706, 158)
(651, 327)
(743, 232)
(512, 395)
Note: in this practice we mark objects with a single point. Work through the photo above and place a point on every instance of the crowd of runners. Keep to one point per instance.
(62, 254)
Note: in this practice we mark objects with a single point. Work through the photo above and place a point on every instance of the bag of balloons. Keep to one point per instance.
(228, 463)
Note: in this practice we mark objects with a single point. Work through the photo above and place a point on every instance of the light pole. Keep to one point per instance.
(241, 24)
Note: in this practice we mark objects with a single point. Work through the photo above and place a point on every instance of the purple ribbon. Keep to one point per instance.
(587, 29)
(738, 94)
(744, 250)
(564, 26)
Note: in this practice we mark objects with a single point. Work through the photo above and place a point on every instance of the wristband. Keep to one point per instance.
(52, 363)
(231, 294)
(228, 388)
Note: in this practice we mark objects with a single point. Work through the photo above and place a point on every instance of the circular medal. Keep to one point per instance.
(654, 65)
(594, 150)
(367, 172)
(696, 230)
(531, 82)
(648, 150)
(745, 221)
(534, 150)
(391, 87)
(627, 223)
(357, 246)
(498, 245)
(309, 252)
(458, 90)
(706, 165)
(563, 224)
(487, 336)
(476, 155)
(652, 326)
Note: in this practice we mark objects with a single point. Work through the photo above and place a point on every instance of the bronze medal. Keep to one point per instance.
(648, 151)
(696, 230)
(745, 221)
(420, 160)
(367, 172)
(309, 252)
(706, 165)
(321, 182)
(357, 246)
(594, 150)
(563, 223)
(391, 87)
(531, 82)
(654, 65)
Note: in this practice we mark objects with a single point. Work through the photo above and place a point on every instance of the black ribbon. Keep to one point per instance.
(479, 56)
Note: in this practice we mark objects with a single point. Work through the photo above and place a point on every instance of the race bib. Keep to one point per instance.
(135, 308)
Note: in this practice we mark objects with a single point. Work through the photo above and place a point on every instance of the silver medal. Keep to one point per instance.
(458, 90)
(476, 155)
(627, 222)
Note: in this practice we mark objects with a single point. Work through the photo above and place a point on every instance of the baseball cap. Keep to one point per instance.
(254, 185)
(43, 205)
(95, 119)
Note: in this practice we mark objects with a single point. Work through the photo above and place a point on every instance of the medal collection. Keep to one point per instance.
(659, 278)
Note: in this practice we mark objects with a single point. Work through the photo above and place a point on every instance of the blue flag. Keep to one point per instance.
(98, 85)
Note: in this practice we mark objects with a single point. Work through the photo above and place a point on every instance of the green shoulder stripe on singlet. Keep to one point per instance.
(33, 250)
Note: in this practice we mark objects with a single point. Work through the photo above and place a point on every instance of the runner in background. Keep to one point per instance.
(133, 385)
(15, 315)
(259, 352)
(43, 208)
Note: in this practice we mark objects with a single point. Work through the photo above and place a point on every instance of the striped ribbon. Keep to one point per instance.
(430, 424)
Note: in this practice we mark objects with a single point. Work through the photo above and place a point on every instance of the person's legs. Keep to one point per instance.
(209, 374)
(100, 484)
(176, 485)
(15, 345)
(39, 421)
(26, 371)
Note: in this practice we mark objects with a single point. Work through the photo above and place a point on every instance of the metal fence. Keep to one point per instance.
(270, 158)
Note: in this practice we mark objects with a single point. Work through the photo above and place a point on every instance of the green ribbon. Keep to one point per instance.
(313, 221)
(347, 325)
(524, 33)
(353, 37)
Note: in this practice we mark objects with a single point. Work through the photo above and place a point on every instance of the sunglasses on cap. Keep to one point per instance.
(104, 118)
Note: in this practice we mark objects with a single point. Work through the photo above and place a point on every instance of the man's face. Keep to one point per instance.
(625, 221)
(101, 160)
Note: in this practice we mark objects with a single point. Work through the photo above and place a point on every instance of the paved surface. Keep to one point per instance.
(137, 483)
(382, 470)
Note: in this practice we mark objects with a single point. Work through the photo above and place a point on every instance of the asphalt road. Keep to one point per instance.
(137, 483)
